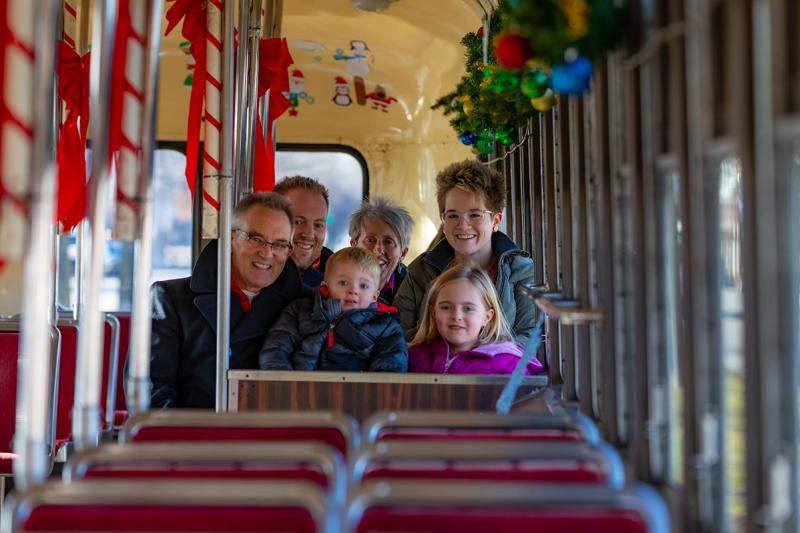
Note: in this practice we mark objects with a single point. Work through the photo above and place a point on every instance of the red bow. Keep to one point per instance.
(273, 75)
(194, 30)
(73, 89)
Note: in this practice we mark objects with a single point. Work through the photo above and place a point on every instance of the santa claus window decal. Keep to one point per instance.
(341, 169)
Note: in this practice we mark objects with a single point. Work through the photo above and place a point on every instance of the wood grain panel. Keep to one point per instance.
(361, 399)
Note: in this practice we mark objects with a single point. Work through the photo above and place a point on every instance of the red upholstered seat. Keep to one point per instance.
(479, 434)
(66, 377)
(459, 519)
(224, 471)
(9, 349)
(328, 435)
(66, 383)
(6, 463)
(539, 473)
(124, 345)
(120, 416)
(170, 506)
(183, 518)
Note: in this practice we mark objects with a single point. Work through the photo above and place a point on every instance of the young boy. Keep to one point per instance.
(341, 328)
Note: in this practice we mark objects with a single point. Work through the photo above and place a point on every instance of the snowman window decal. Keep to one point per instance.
(357, 62)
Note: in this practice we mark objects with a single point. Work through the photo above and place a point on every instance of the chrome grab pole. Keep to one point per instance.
(245, 179)
(271, 25)
(239, 131)
(80, 230)
(138, 378)
(225, 208)
(32, 464)
(89, 368)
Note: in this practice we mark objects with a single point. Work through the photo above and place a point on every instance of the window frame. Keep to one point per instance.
(332, 147)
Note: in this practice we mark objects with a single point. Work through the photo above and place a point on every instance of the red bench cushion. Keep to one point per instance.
(539, 473)
(508, 520)
(222, 471)
(327, 435)
(142, 518)
(9, 351)
(480, 434)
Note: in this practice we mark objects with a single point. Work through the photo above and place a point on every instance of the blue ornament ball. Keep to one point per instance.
(467, 138)
(583, 67)
(572, 77)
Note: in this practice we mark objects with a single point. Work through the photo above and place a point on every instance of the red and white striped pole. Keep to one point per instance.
(212, 155)
(16, 128)
(130, 143)
(71, 23)
(28, 166)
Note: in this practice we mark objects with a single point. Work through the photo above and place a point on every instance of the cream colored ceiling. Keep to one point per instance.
(415, 55)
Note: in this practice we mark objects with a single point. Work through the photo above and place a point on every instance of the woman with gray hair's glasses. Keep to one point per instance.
(384, 228)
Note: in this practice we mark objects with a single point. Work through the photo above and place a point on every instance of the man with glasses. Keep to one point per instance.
(263, 281)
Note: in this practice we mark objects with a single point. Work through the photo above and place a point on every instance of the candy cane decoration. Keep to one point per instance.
(130, 142)
(212, 155)
(71, 23)
(16, 128)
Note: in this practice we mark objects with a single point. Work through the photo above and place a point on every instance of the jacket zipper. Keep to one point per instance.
(447, 360)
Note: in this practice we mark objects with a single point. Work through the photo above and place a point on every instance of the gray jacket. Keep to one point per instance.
(515, 269)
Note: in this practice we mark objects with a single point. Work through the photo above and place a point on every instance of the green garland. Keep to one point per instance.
(476, 105)
(490, 102)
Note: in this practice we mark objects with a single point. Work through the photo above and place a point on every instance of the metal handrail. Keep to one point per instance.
(566, 311)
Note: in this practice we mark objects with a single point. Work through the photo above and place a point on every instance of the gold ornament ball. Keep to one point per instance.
(546, 102)
(468, 105)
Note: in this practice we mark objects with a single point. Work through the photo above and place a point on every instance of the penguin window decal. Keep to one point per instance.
(342, 95)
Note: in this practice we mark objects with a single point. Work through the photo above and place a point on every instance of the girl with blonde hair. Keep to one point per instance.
(463, 329)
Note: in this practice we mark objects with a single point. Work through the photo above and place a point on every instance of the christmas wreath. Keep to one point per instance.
(540, 49)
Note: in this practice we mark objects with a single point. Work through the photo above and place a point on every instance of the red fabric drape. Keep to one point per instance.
(194, 30)
(273, 74)
(73, 90)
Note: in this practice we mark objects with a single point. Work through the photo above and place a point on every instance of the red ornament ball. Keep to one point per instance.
(512, 50)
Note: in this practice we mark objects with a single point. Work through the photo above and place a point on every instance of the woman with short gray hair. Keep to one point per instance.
(384, 228)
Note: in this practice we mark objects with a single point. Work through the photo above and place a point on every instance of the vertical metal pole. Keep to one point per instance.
(32, 465)
(271, 27)
(138, 389)
(82, 46)
(245, 179)
(225, 208)
(241, 108)
(88, 374)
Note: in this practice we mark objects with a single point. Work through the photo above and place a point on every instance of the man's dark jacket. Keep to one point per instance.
(313, 334)
(183, 344)
(313, 277)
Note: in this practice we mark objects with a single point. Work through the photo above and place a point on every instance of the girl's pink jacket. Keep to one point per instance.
(500, 358)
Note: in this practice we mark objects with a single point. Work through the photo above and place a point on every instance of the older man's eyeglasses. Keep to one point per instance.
(257, 241)
(474, 217)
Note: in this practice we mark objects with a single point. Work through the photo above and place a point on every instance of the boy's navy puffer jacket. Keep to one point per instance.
(312, 334)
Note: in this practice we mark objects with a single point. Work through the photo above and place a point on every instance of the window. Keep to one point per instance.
(342, 172)
(670, 386)
(729, 306)
(172, 239)
(789, 167)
